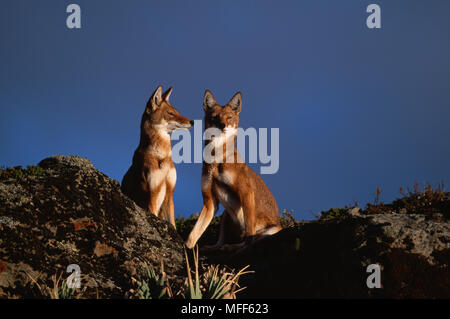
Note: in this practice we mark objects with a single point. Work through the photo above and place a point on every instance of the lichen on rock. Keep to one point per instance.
(73, 214)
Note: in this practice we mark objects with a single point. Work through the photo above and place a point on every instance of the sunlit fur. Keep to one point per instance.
(151, 179)
(251, 211)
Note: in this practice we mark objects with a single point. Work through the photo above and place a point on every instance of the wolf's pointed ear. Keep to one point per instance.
(208, 101)
(155, 100)
(166, 94)
(236, 102)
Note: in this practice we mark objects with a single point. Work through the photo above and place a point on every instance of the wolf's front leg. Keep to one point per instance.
(222, 228)
(249, 209)
(206, 215)
(172, 212)
(157, 195)
(167, 211)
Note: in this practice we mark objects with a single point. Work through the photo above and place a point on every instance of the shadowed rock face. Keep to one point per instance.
(329, 258)
(73, 214)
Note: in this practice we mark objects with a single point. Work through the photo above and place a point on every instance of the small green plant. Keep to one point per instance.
(65, 292)
(154, 287)
(20, 173)
(333, 213)
(34, 170)
(287, 219)
(222, 284)
(59, 290)
(215, 283)
(193, 289)
(428, 200)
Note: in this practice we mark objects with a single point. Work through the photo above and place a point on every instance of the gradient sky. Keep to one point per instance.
(357, 108)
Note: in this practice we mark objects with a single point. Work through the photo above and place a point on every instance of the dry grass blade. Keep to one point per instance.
(233, 281)
(59, 290)
(194, 290)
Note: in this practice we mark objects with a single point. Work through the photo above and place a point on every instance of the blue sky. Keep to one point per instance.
(357, 108)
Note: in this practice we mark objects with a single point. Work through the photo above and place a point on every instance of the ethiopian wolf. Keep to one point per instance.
(150, 181)
(251, 211)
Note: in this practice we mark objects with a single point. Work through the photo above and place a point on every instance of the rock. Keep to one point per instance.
(66, 212)
(73, 214)
(329, 258)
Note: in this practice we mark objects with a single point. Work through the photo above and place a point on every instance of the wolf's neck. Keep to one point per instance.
(223, 148)
(155, 140)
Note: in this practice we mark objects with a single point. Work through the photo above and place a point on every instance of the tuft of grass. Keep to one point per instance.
(222, 284)
(19, 173)
(427, 200)
(193, 290)
(287, 219)
(333, 213)
(58, 290)
(154, 287)
(215, 282)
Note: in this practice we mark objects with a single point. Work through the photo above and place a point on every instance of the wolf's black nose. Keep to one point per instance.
(192, 122)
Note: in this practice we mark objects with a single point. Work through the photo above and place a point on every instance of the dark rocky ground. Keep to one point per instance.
(329, 258)
(70, 213)
(65, 212)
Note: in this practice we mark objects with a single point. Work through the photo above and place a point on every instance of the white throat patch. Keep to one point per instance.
(227, 133)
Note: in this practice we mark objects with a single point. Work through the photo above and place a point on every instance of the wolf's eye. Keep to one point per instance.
(171, 113)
